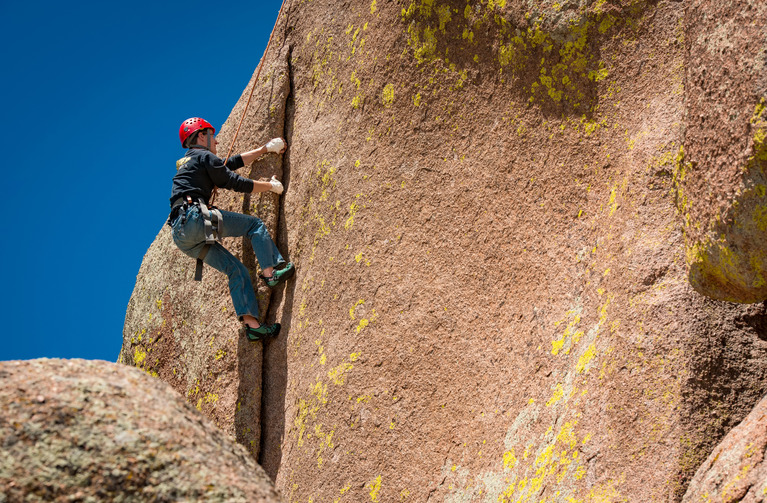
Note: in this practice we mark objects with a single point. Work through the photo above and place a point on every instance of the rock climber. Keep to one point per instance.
(199, 171)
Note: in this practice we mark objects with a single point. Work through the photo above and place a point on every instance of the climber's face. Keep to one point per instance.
(206, 135)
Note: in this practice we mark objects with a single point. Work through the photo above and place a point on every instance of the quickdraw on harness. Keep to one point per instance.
(213, 223)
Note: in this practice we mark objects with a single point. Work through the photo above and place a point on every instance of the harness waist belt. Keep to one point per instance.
(188, 200)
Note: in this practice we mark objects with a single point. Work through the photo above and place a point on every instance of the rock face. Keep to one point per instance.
(722, 181)
(485, 204)
(75, 430)
(737, 469)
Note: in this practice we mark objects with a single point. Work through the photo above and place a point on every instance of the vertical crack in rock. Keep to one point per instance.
(274, 381)
(264, 119)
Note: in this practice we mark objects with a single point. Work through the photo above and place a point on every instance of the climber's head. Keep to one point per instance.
(197, 131)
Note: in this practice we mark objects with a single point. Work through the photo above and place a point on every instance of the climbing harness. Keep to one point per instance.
(213, 226)
(250, 96)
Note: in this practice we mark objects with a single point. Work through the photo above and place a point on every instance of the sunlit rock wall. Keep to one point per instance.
(485, 204)
(721, 177)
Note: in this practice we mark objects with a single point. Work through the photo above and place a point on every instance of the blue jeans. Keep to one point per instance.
(189, 236)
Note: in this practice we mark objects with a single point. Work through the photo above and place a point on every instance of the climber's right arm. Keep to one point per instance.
(276, 145)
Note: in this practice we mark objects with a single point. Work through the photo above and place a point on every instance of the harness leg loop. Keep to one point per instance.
(214, 226)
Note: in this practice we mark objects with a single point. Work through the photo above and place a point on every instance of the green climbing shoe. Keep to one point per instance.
(262, 332)
(280, 276)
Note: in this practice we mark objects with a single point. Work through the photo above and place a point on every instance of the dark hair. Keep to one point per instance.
(192, 138)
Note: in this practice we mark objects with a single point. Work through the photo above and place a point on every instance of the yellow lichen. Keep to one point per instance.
(338, 374)
(387, 96)
(509, 459)
(354, 308)
(586, 358)
(557, 396)
(375, 488)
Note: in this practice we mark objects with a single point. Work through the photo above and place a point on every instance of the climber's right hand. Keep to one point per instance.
(277, 187)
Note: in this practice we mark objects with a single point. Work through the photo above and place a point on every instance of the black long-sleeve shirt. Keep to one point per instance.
(200, 170)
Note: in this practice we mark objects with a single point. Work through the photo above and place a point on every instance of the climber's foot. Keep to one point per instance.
(280, 276)
(262, 332)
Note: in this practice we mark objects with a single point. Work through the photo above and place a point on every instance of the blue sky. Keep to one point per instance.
(93, 95)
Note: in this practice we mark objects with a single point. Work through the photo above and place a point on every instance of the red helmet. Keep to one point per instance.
(189, 126)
